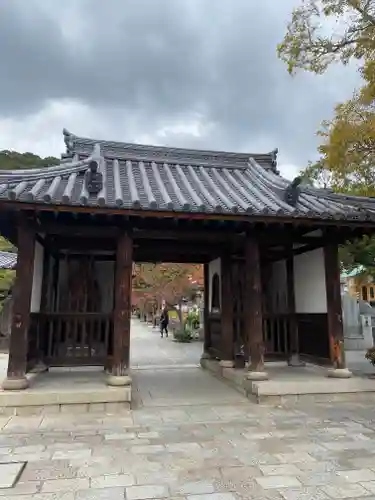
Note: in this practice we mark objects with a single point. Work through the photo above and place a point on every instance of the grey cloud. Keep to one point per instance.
(149, 61)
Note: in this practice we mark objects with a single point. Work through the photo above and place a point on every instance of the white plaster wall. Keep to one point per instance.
(36, 291)
(213, 267)
(278, 287)
(310, 283)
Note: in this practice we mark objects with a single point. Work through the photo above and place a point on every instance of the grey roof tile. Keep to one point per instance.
(170, 179)
(8, 260)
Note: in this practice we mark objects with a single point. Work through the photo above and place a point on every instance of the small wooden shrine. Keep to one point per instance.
(269, 247)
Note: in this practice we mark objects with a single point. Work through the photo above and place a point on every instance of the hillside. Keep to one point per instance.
(12, 160)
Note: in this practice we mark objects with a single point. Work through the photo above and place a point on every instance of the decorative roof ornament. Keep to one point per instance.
(292, 192)
(273, 154)
(68, 139)
(93, 176)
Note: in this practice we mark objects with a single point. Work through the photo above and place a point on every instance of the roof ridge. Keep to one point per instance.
(70, 140)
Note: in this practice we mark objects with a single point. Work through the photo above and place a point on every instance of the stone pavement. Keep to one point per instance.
(218, 447)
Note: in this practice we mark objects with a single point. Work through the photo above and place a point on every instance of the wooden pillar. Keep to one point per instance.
(45, 302)
(206, 311)
(227, 331)
(21, 296)
(118, 373)
(334, 312)
(294, 359)
(253, 310)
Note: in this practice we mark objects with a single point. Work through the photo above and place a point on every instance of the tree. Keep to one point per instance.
(11, 160)
(319, 34)
(171, 283)
(324, 32)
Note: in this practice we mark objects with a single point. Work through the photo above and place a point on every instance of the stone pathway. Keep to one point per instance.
(218, 446)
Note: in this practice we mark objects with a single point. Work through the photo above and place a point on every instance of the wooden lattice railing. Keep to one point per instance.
(66, 339)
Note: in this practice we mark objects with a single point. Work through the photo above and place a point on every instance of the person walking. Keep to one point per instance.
(164, 320)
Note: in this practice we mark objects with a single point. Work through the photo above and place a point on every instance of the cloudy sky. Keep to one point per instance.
(191, 73)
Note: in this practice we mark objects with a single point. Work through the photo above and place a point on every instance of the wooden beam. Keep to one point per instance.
(72, 244)
(75, 230)
(122, 310)
(334, 310)
(249, 219)
(253, 306)
(187, 235)
(294, 359)
(22, 288)
(206, 296)
(227, 332)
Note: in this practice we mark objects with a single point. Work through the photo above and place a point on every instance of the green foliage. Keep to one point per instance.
(370, 355)
(11, 160)
(183, 335)
(319, 34)
(326, 31)
(360, 252)
(192, 320)
(322, 32)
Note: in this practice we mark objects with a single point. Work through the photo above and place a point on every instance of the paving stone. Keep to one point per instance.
(101, 494)
(183, 447)
(56, 485)
(349, 490)
(321, 478)
(280, 470)
(46, 473)
(148, 450)
(162, 476)
(146, 492)
(67, 495)
(120, 437)
(66, 454)
(277, 482)
(303, 494)
(113, 480)
(294, 458)
(196, 488)
(9, 473)
(28, 489)
(369, 485)
(357, 476)
(213, 496)
(149, 435)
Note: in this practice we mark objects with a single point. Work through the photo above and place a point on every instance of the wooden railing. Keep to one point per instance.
(276, 334)
(66, 339)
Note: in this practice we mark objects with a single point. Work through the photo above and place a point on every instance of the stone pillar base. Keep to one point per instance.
(339, 373)
(295, 361)
(15, 384)
(226, 363)
(257, 376)
(40, 367)
(206, 355)
(117, 380)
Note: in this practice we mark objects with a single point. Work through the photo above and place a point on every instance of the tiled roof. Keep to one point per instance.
(8, 260)
(178, 180)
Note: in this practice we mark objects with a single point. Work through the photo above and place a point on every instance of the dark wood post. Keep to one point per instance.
(334, 312)
(118, 373)
(227, 330)
(21, 295)
(206, 311)
(253, 310)
(294, 359)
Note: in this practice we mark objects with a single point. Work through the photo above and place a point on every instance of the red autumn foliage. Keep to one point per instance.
(155, 283)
